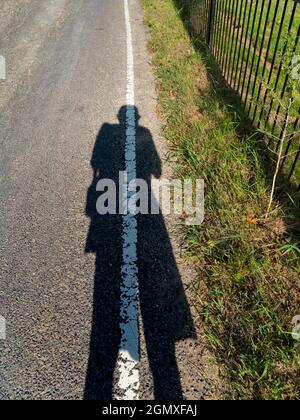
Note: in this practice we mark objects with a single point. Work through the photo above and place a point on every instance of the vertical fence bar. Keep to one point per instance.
(217, 29)
(273, 61)
(229, 45)
(260, 55)
(296, 160)
(249, 47)
(286, 79)
(290, 143)
(236, 41)
(211, 23)
(206, 17)
(227, 31)
(254, 52)
(244, 46)
(214, 40)
(233, 26)
(223, 21)
(240, 36)
(283, 55)
(266, 60)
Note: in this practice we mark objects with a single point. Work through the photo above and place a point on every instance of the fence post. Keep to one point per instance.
(211, 22)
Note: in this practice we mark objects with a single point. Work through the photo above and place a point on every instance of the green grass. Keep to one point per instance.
(247, 291)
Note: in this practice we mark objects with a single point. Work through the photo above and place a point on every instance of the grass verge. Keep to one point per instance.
(247, 290)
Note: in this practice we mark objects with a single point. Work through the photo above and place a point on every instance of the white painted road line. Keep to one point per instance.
(129, 348)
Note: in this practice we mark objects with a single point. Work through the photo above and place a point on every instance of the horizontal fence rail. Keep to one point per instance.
(256, 46)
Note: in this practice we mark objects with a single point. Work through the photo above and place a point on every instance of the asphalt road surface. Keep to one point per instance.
(63, 110)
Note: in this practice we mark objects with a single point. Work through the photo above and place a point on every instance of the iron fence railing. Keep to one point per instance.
(256, 45)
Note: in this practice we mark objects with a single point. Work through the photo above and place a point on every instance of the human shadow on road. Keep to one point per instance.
(164, 309)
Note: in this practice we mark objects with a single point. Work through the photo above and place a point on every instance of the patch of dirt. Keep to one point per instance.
(193, 115)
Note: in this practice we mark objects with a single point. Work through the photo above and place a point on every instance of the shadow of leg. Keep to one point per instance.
(105, 338)
(164, 307)
(164, 369)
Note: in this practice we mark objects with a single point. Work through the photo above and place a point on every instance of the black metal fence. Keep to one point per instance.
(256, 45)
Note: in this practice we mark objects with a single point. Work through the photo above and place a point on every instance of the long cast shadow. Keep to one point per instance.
(164, 309)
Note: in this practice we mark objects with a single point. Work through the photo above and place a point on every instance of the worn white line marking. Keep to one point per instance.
(128, 360)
